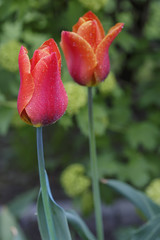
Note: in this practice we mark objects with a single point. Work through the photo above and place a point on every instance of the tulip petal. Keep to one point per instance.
(26, 81)
(90, 32)
(103, 66)
(49, 100)
(87, 17)
(79, 56)
(45, 49)
(53, 48)
(38, 54)
(78, 24)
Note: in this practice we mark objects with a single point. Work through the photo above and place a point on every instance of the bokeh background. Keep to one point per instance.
(126, 106)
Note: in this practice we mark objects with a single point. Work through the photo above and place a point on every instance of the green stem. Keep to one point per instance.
(94, 169)
(43, 183)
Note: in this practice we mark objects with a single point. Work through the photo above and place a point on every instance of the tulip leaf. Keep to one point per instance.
(59, 219)
(139, 199)
(77, 223)
(9, 227)
(21, 203)
(149, 231)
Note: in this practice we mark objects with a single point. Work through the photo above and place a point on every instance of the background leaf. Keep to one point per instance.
(149, 231)
(9, 228)
(19, 204)
(139, 199)
(80, 227)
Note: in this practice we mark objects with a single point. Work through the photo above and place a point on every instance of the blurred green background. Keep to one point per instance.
(126, 104)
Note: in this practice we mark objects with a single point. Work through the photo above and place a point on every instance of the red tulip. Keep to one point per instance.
(42, 98)
(86, 49)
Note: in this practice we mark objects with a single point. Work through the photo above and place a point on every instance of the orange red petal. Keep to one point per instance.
(26, 81)
(103, 64)
(46, 48)
(79, 56)
(90, 32)
(38, 54)
(78, 24)
(91, 16)
(49, 100)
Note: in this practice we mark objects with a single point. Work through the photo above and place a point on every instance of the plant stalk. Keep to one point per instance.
(43, 184)
(94, 169)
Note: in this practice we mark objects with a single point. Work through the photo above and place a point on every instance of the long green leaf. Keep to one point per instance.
(139, 199)
(58, 218)
(20, 203)
(9, 227)
(77, 223)
(149, 231)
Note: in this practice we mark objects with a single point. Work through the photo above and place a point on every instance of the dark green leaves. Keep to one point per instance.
(9, 228)
(149, 231)
(139, 199)
(59, 220)
(79, 226)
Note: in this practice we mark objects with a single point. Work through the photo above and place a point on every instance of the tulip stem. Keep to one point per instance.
(43, 184)
(94, 169)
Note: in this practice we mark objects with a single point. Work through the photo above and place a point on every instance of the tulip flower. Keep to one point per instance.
(86, 49)
(42, 99)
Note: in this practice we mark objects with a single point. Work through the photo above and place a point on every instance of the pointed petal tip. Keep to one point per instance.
(23, 50)
(121, 25)
(65, 33)
(63, 36)
(49, 42)
(90, 14)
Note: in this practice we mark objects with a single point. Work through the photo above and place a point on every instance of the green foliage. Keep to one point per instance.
(21, 202)
(59, 220)
(74, 92)
(151, 28)
(138, 198)
(151, 230)
(6, 119)
(87, 202)
(143, 134)
(93, 5)
(9, 228)
(124, 233)
(79, 226)
(101, 121)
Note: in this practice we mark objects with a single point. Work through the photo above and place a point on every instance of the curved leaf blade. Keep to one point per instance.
(81, 228)
(42, 222)
(58, 218)
(149, 231)
(139, 199)
(9, 227)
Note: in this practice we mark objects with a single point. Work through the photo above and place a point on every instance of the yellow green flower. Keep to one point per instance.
(9, 55)
(153, 190)
(77, 97)
(74, 181)
(108, 85)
